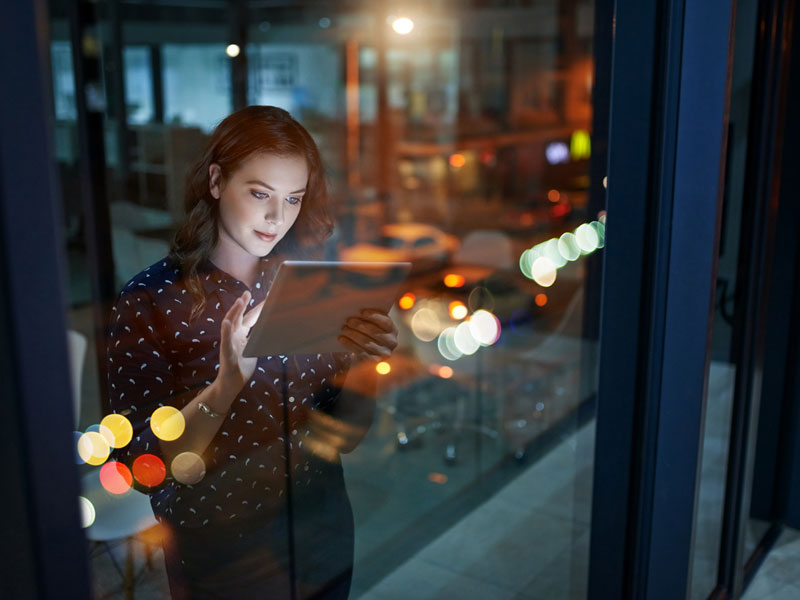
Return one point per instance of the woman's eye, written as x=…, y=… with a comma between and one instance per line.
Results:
x=293, y=199
x=259, y=195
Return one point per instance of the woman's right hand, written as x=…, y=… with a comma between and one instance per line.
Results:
x=234, y=369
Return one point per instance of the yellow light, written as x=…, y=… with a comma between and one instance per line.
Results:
x=457, y=310
x=407, y=301
x=445, y=372
x=167, y=423
x=457, y=160
x=188, y=468
x=232, y=50
x=605, y=182
x=93, y=448
x=383, y=367
x=120, y=428
x=580, y=145
x=540, y=299
x=453, y=280
x=403, y=25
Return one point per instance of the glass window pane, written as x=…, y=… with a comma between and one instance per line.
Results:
x=461, y=146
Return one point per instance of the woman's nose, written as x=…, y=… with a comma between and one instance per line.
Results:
x=274, y=212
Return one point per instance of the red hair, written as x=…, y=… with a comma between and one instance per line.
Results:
x=243, y=134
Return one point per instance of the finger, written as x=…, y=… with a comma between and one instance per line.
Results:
x=367, y=327
x=245, y=298
x=379, y=318
x=386, y=339
x=379, y=348
x=357, y=351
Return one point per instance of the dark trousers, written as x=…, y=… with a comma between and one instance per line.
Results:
x=251, y=561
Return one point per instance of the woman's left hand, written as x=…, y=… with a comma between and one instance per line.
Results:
x=372, y=335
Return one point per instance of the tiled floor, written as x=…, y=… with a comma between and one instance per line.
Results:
x=779, y=575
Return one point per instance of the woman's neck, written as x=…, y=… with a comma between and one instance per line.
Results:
x=236, y=262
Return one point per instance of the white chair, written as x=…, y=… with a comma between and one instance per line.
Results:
x=122, y=517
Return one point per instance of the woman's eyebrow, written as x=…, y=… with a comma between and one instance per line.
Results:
x=269, y=187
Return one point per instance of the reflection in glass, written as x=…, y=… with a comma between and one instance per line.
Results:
x=462, y=145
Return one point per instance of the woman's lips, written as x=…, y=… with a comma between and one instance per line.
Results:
x=266, y=237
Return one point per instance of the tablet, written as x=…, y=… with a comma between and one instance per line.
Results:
x=309, y=301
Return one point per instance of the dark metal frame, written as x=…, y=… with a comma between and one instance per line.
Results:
x=757, y=241
x=41, y=486
x=667, y=139
x=667, y=133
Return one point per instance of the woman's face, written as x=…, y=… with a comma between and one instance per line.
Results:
x=258, y=203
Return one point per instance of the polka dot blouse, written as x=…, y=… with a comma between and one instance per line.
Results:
x=158, y=356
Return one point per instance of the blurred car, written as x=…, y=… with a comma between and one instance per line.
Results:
x=423, y=245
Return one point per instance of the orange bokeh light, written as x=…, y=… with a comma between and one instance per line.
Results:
x=457, y=160
x=454, y=280
x=445, y=372
x=437, y=478
x=540, y=299
x=457, y=310
x=553, y=195
x=115, y=477
x=149, y=470
x=407, y=301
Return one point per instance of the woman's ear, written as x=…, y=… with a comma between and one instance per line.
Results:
x=214, y=180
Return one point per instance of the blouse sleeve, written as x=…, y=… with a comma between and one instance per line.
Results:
x=140, y=379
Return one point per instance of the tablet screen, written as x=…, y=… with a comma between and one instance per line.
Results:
x=309, y=301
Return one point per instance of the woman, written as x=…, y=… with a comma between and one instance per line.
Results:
x=251, y=491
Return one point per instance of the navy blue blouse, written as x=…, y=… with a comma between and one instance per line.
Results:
x=158, y=356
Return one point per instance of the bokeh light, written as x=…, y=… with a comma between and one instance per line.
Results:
x=149, y=470
x=108, y=436
x=543, y=271
x=464, y=340
x=383, y=368
x=120, y=427
x=540, y=299
x=484, y=327
x=457, y=160
x=568, y=246
x=233, y=50
x=457, y=310
x=115, y=477
x=93, y=448
x=445, y=372
x=167, y=423
x=550, y=250
x=406, y=301
x=403, y=25
x=439, y=478
x=454, y=280
x=553, y=195
x=480, y=297
x=447, y=346
x=587, y=238
x=425, y=325
x=188, y=468
x=88, y=513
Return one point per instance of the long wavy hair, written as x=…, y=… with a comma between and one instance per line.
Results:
x=243, y=134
